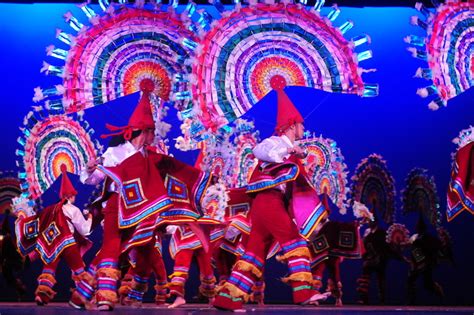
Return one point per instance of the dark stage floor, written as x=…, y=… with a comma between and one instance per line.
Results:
x=194, y=309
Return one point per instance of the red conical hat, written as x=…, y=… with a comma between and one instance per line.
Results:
x=287, y=114
x=67, y=189
x=142, y=116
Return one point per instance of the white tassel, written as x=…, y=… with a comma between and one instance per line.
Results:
x=49, y=50
x=433, y=106
x=60, y=89
x=422, y=92
x=38, y=94
x=413, y=51
x=45, y=67
x=419, y=73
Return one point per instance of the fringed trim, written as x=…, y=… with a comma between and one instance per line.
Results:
x=317, y=284
x=281, y=259
x=178, y=274
x=124, y=289
x=235, y=291
x=161, y=293
x=258, y=292
x=209, y=293
x=245, y=266
x=297, y=252
x=125, y=285
x=86, y=277
x=299, y=276
x=208, y=286
x=109, y=273
x=106, y=295
x=159, y=287
x=141, y=287
x=212, y=280
x=46, y=290
x=48, y=277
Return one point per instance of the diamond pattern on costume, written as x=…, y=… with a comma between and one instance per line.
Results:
x=51, y=233
x=31, y=229
x=133, y=193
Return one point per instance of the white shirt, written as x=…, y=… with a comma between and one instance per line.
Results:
x=273, y=149
x=76, y=220
x=113, y=156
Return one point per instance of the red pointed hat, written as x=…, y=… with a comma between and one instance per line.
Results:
x=67, y=189
x=287, y=114
x=142, y=116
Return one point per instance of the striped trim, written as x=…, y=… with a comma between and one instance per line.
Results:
x=47, y=257
x=290, y=175
x=465, y=203
x=312, y=222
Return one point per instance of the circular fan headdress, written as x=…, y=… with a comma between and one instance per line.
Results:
x=374, y=186
x=245, y=140
x=326, y=168
x=217, y=154
x=248, y=46
x=448, y=50
x=228, y=154
x=108, y=58
x=48, y=143
x=397, y=234
x=10, y=187
x=420, y=196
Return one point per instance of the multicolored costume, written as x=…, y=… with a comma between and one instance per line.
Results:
x=269, y=183
x=58, y=231
x=461, y=186
x=334, y=242
x=144, y=189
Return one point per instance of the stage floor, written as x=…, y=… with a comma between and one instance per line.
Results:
x=197, y=309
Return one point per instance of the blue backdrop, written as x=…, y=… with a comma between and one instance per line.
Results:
x=397, y=124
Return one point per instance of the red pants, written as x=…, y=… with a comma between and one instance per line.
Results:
x=270, y=221
x=46, y=280
x=181, y=270
x=107, y=268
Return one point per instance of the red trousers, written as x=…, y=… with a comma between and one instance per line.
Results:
x=270, y=221
x=47, y=280
x=180, y=274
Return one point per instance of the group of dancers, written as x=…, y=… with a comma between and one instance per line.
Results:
x=148, y=195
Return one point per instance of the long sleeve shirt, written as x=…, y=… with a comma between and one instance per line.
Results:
x=113, y=156
x=273, y=149
x=76, y=220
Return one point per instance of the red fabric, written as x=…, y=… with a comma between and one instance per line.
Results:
x=144, y=260
x=67, y=189
x=183, y=260
x=72, y=257
x=142, y=171
x=158, y=266
x=111, y=238
x=269, y=204
x=287, y=114
x=52, y=217
x=142, y=117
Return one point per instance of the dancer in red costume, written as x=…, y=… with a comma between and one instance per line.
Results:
x=161, y=282
x=137, y=201
x=59, y=231
x=279, y=172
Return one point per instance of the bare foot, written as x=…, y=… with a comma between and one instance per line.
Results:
x=338, y=302
x=240, y=310
x=178, y=302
